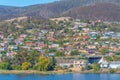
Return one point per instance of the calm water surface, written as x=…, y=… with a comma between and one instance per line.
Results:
x=61, y=77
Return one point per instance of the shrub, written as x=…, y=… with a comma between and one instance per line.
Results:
x=5, y=66
x=16, y=67
x=26, y=65
x=112, y=70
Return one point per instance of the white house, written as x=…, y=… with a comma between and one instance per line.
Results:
x=115, y=64
x=54, y=46
x=103, y=63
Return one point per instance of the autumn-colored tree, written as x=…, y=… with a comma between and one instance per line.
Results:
x=26, y=65
x=43, y=64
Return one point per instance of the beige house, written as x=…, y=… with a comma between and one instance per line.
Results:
x=79, y=65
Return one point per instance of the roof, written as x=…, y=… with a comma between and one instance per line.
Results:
x=115, y=62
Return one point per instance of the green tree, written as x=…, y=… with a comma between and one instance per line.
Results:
x=61, y=43
x=108, y=58
x=115, y=58
x=24, y=55
x=96, y=67
x=5, y=66
x=52, y=50
x=16, y=67
x=26, y=65
x=53, y=63
x=104, y=51
x=66, y=30
x=117, y=53
x=59, y=53
x=33, y=57
x=74, y=52
x=112, y=70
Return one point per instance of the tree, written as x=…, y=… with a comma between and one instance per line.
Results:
x=5, y=66
x=96, y=67
x=52, y=50
x=104, y=51
x=53, y=63
x=74, y=52
x=58, y=53
x=26, y=65
x=61, y=43
x=43, y=64
x=112, y=70
x=16, y=67
x=24, y=55
x=66, y=30
x=115, y=58
x=117, y=53
x=33, y=57
x=108, y=58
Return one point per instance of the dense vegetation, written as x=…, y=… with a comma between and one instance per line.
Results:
x=26, y=60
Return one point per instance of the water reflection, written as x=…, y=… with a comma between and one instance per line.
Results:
x=60, y=77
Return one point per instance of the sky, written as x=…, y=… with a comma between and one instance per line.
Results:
x=23, y=2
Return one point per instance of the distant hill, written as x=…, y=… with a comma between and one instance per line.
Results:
x=56, y=9
x=103, y=11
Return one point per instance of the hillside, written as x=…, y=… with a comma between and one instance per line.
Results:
x=103, y=11
x=49, y=10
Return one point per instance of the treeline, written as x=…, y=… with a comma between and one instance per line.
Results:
x=25, y=60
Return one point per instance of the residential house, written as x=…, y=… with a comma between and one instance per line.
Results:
x=54, y=46
x=12, y=47
x=50, y=54
x=86, y=29
x=104, y=37
x=2, y=49
x=41, y=35
x=64, y=62
x=76, y=38
x=67, y=53
x=11, y=54
x=50, y=36
x=23, y=36
x=114, y=64
x=17, y=42
x=93, y=35
x=77, y=44
x=42, y=44
x=85, y=37
x=1, y=35
x=91, y=49
x=103, y=63
x=80, y=64
x=29, y=43
x=68, y=48
x=94, y=59
x=2, y=44
x=44, y=31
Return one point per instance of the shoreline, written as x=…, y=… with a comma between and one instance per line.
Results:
x=32, y=72
x=49, y=72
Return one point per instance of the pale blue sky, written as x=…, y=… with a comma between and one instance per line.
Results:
x=24, y=2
